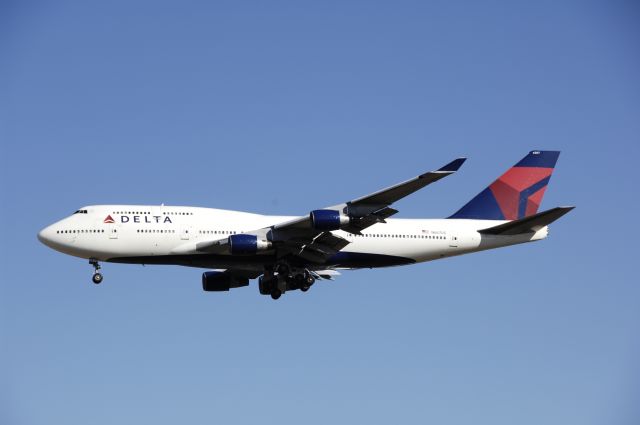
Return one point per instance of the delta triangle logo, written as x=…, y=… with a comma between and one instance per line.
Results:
x=109, y=219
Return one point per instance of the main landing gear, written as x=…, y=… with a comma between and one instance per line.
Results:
x=97, y=276
x=284, y=278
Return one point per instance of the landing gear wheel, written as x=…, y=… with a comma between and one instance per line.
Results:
x=97, y=277
x=308, y=280
x=276, y=293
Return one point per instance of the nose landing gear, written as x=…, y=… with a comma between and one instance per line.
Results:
x=97, y=276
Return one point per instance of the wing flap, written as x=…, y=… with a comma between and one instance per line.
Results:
x=325, y=274
x=322, y=247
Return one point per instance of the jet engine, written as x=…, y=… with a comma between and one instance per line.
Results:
x=247, y=244
x=328, y=219
x=221, y=281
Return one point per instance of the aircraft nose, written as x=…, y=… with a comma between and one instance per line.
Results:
x=45, y=235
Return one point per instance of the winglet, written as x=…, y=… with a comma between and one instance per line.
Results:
x=453, y=165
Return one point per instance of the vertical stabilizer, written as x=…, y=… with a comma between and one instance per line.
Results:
x=515, y=194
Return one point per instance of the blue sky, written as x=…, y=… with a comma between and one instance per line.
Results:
x=283, y=107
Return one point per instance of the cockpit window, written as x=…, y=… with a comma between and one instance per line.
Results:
x=81, y=212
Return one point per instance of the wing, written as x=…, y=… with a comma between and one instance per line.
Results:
x=310, y=237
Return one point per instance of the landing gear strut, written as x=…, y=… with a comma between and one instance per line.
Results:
x=276, y=280
x=97, y=276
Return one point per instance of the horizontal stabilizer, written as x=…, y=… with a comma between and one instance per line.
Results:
x=533, y=223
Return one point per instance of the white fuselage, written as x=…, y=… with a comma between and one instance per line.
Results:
x=168, y=235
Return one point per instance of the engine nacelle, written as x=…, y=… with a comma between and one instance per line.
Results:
x=247, y=244
x=328, y=219
x=221, y=281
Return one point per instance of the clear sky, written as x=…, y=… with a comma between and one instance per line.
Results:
x=283, y=107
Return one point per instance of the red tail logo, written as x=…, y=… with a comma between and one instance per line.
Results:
x=109, y=219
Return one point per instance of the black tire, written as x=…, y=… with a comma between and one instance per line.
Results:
x=283, y=270
x=97, y=278
x=265, y=285
x=276, y=293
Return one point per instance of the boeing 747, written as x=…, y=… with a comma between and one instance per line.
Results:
x=289, y=253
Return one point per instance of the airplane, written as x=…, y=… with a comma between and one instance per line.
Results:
x=289, y=253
